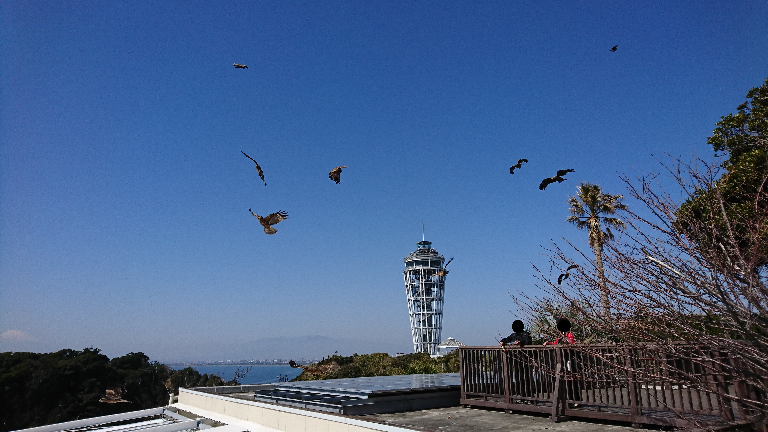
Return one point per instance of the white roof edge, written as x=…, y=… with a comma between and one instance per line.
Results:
x=96, y=420
x=450, y=343
x=291, y=410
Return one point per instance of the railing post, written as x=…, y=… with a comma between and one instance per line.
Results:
x=741, y=390
x=634, y=408
x=507, y=377
x=721, y=381
x=558, y=402
x=462, y=374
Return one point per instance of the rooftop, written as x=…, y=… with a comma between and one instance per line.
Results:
x=451, y=343
x=364, y=395
x=379, y=385
x=460, y=419
x=403, y=403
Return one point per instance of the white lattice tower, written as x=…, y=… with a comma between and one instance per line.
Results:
x=425, y=290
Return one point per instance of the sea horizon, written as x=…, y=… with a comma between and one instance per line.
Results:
x=258, y=373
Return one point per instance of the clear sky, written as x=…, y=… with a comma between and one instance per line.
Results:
x=124, y=197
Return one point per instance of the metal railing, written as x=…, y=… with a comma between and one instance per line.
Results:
x=641, y=384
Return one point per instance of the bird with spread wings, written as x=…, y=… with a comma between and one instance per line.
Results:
x=519, y=164
x=615, y=47
x=270, y=220
x=444, y=270
x=335, y=174
x=114, y=395
x=565, y=275
x=557, y=178
x=239, y=66
x=258, y=168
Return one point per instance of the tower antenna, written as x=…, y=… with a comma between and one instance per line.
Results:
x=422, y=230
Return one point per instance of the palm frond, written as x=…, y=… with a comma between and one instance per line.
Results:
x=589, y=207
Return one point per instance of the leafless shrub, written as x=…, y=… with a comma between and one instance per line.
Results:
x=680, y=274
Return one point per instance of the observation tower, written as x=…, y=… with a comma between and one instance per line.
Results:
x=424, y=289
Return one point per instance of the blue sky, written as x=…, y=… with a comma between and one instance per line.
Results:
x=124, y=198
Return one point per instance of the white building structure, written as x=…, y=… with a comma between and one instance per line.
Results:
x=448, y=345
x=425, y=288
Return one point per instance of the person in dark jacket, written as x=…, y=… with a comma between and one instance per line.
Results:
x=520, y=337
x=521, y=386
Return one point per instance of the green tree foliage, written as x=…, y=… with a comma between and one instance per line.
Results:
x=40, y=389
x=189, y=378
x=737, y=202
x=142, y=381
x=740, y=134
x=379, y=364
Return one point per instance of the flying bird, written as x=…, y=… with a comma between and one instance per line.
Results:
x=267, y=222
x=558, y=178
x=258, y=168
x=519, y=164
x=239, y=66
x=114, y=395
x=547, y=181
x=444, y=270
x=615, y=47
x=335, y=174
x=565, y=275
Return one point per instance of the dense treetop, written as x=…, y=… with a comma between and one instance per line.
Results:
x=740, y=133
x=736, y=205
x=39, y=389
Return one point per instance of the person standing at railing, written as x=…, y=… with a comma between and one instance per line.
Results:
x=564, y=326
x=572, y=378
x=519, y=338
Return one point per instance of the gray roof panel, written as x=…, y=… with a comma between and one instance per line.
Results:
x=370, y=386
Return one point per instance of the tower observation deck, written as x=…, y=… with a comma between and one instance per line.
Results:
x=425, y=289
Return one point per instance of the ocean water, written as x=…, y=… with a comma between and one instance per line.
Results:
x=259, y=374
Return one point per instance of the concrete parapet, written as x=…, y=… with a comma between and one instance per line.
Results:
x=272, y=417
x=234, y=389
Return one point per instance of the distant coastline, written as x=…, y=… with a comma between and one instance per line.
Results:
x=246, y=363
x=249, y=373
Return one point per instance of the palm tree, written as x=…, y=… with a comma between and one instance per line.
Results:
x=589, y=208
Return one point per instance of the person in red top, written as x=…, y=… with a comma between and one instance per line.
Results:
x=573, y=381
x=564, y=325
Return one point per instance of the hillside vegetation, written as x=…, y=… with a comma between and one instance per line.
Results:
x=40, y=389
x=378, y=364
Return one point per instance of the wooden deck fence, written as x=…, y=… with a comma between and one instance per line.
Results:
x=638, y=384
